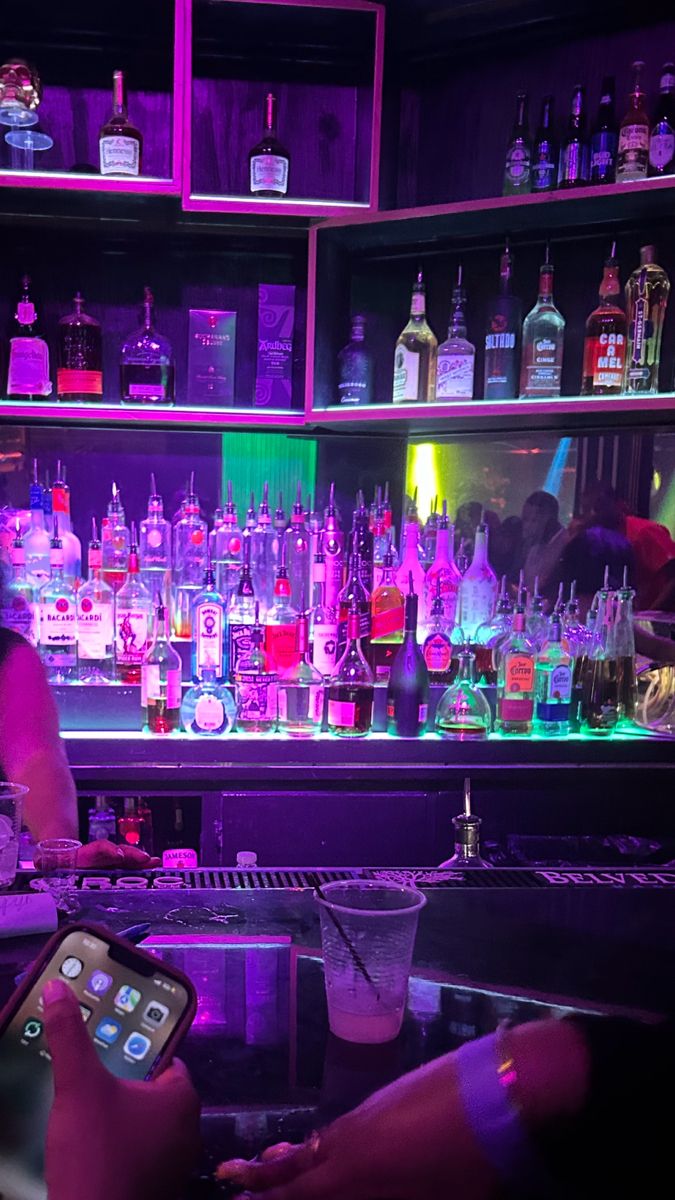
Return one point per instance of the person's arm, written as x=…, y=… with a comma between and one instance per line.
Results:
x=31, y=750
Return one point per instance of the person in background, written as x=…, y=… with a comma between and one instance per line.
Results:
x=595, y=540
x=506, y=549
x=544, y=539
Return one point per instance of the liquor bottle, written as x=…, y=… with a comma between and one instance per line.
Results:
x=332, y=544
x=381, y=540
x=269, y=162
x=415, y=354
x=180, y=853
x=28, y=373
x=646, y=299
x=600, y=706
x=115, y=542
x=502, y=338
x=437, y=648
x=102, y=821
x=443, y=572
x=544, y=157
x=573, y=162
x=208, y=709
x=36, y=540
x=457, y=355
x=58, y=618
x=241, y=613
x=281, y=647
x=351, y=688
x=517, y=166
x=301, y=690
x=280, y=523
x=543, y=342
x=72, y=547
x=255, y=685
x=95, y=620
x=515, y=679
x=79, y=355
x=229, y=549
x=553, y=674
x=209, y=630
x=463, y=713
x=467, y=838
x=623, y=645
x=190, y=545
x=218, y=516
x=251, y=518
x=605, y=340
x=133, y=620
x=323, y=622
x=633, y=154
x=361, y=537
x=354, y=590
x=387, y=620
x=605, y=136
x=537, y=625
x=18, y=607
x=298, y=551
x=147, y=370
x=356, y=367
x=662, y=136
x=489, y=636
x=154, y=549
x=410, y=558
x=408, y=687
x=161, y=680
x=429, y=534
x=478, y=589
x=131, y=825
x=264, y=553
x=120, y=144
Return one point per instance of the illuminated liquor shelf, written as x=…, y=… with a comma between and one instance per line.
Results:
x=135, y=416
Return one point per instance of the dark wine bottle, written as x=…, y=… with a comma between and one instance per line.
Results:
x=408, y=690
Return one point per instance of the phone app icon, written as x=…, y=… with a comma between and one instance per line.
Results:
x=32, y=1029
x=108, y=1030
x=71, y=967
x=99, y=982
x=86, y=1012
x=127, y=998
x=137, y=1046
x=155, y=1013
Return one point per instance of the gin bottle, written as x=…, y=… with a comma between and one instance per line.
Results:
x=517, y=167
x=301, y=690
x=515, y=679
x=28, y=373
x=456, y=356
x=95, y=621
x=351, y=689
x=19, y=610
x=543, y=341
x=147, y=371
x=646, y=299
x=605, y=341
x=209, y=630
x=415, y=354
x=256, y=685
x=502, y=338
x=553, y=685
x=208, y=709
x=633, y=154
x=355, y=367
x=133, y=620
x=161, y=680
x=58, y=619
x=120, y=143
x=155, y=548
x=269, y=161
x=478, y=589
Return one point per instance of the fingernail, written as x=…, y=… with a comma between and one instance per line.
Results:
x=54, y=990
x=232, y=1171
x=120, y=851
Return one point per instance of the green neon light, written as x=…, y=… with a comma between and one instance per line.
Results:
x=251, y=459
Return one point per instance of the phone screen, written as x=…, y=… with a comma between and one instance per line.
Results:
x=130, y=1016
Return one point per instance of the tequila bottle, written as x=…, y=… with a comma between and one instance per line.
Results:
x=543, y=341
x=605, y=136
x=58, y=619
x=208, y=709
x=155, y=548
x=515, y=678
x=209, y=630
x=79, y=355
x=502, y=338
x=256, y=685
x=478, y=589
x=646, y=299
x=456, y=356
x=95, y=620
x=19, y=610
x=120, y=143
x=517, y=167
x=301, y=690
x=133, y=620
x=115, y=542
x=554, y=672
x=662, y=136
x=147, y=371
x=324, y=622
x=633, y=154
x=28, y=373
x=269, y=161
x=415, y=354
x=351, y=690
x=605, y=341
x=463, y=714
x=356, y=367
x=161, y=680
x=190, y=546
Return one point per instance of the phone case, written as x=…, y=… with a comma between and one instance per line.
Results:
x=49, y=950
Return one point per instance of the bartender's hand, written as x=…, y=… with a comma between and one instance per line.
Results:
x=103, y=853
x=110, y=1138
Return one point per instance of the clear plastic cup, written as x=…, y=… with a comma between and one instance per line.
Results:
x=11, y=804
x=56, y=860
x=368, y=933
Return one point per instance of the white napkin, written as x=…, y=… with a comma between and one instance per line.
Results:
x=32, y=912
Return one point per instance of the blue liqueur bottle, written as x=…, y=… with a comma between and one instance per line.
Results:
x=355, y=367
x=502, y=337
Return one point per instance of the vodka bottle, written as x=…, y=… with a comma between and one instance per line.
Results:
x=190, y=547
x=209, y=630
x=515, y=679
x=408, y=688
x=58, y=618
x=72, y=547
x=351, y=688
x=229, y=544
x=298, y=549
x=95, y=620
x=161, y=680
x=256, y=685
x=478, y=589
x=154, y=549
x=301, y=690
x=332, y=545
x=323, y=622
x=19, y=609
x=133, y=620
x=241, y=613
x=264, y=553
x=443, y=571
x=36, y=540
x=281, y=625
x=218, y=516
x=354, y=590
x=115, y=542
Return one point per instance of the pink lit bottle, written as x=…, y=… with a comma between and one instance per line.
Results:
x=410, y=559
x=443, y=571
x=478, y=589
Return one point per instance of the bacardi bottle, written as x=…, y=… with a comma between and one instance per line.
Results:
x=147, y=370
x=95, y=620
x=456, y=356
x=351, y=689
x=544, y=156
x=58, y=619
x=478, y=589
x=408, y=688
x=79, y=356
x=356, y=367
x=256, y=685
x=515, y=679
x=209, y=630
x=605, y=341
x=573, y=163
x=133, y=620
x=28, y=373
x=605, y=136
x=161, y=680
x=646, y=299
x=554, y=671
x=301, y=690
x=269, y=161
x=154, y=549
x=19, y=610
x=543, y=342
x=662, y=136
x=502, y=339
x=517, y=167
x=415, y=354
x=633, y=154
x=120, y=143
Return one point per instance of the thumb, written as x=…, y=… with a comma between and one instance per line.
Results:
x=72, y=1050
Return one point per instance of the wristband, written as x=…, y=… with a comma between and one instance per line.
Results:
x=485, y=1076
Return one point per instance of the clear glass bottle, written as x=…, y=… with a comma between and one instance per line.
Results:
x=351, y=689
x=19, y=610
x=28, y=371
x=147, y=368
x=623, y=644
x=209, y=630
x=190, y=546
x=36, y=540
x=269, y=162
x=154, y=549
x=408, y=687
x=79, y=355
x=356, y=367
x=438, y=648
x=515, y=679
x=361, y=538
x=95, y=620
x=298, y=552
x=323, y=622
x=478, y=589
x=518, y=162
x=281, y=627
x=633, y=154
x=115, y=542
x=229, y=549
x=605, y=341
x=58, y=619
x=410, y=558
x=600, y=705
x=133, y=620
x=646, y=300
x=72, y=546
x=354, y=589
x=387, y=620
x=574, y=159
x=208, y=708
x=662, y=136
x=241, y=613
x=544, y=156
x=255, y=685
x=489, y=636
x=463, y=714
x=467, y=838
x=537, y=621
x=265, y=553
x=457, y=356
x=102, y=821
x=543, y=342
x=161, y=680
x=605, y=136
x=120, y=144
x=502, y=337
x=301, y=690
x=443, y=571
x=415, y=354
x=554, y=671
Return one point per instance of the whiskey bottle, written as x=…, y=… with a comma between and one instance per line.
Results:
x=147, y=372
x=502, y=339
x=408, y=688
x=456, y=356
x=28, y=373
x=544, y=156
x=120, y=144
x=415, y=354
x=161, y=680
x=515, y=679
x=58, y=619
x=517, y=178
x=269, y=161
x=79, y=356
x=633, y=153
x=355, y=367
x=255, y=685
x=646, y=299
x=95, y=620
x=573, y=163
x=543, y=342
x=605, y=340
x=281, y=626
x=605, y=136
x=351, y=691
x=662, y=136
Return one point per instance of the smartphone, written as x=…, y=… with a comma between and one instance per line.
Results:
x=136, y=1009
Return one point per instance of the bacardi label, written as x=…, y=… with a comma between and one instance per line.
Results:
x=131, y=635
x=58, y=623
x=208, y=631
x=94, y=629
x=269, y=173
x=28, y=373
x=406, y=375
x=19, y=615
x=119, y=155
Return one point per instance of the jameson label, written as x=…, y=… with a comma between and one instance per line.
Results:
x=406, y=375
x=119, y=155
x=208, y=622
x=28, y=373
x=269, y=173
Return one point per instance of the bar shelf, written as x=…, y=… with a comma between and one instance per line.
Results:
x=136, y=416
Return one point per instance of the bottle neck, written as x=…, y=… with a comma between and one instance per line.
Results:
x=119, y=95
x=466, y=671
x=418, y=303
x=480, y=558
x=610, y=288
x=546, y=285
x=270, y=118
x=412, y=538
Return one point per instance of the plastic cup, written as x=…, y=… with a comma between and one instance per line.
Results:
x=11, y=804
x=56, y=860
x=367, y=959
